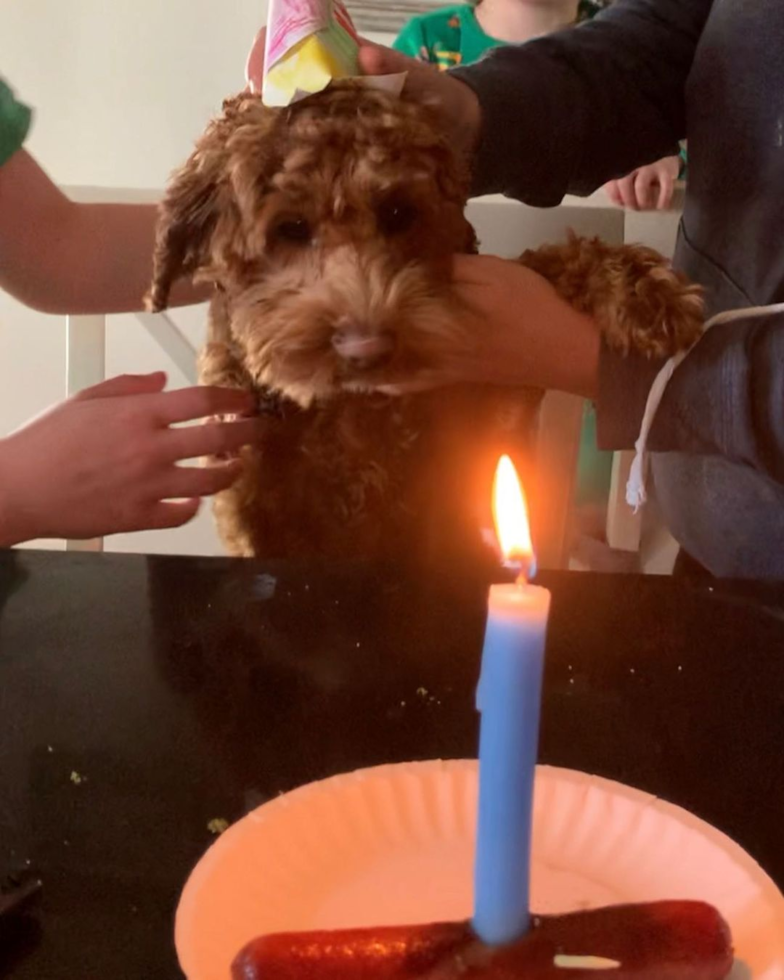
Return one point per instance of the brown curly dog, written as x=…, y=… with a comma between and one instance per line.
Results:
x=327, y=229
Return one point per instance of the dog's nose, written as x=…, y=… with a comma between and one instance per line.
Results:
x=361, y=350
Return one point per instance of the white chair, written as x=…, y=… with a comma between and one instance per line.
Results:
x=85, y=353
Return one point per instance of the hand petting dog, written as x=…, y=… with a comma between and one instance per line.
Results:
x=105, y=461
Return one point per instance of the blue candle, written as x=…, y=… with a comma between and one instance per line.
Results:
x=509, y=699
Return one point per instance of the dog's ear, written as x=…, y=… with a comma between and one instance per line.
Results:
x=186, y=220
x=206, y=198
x=454, y=184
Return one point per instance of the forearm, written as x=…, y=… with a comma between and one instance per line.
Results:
x=727, y=398
x=92, y=258
x=110, y=269
x=568, y=112
x=61, y=257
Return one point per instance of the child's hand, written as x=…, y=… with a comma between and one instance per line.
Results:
x=647, y=189
x=106, y=460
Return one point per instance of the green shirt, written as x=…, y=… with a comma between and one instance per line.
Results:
x=452, y=35
x=447, y=37
x=14, y=123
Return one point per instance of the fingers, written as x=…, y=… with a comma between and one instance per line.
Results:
x=198, y=403
x=169, y=513
x=125, y=384
x=666, y=190
x=254, y=67
x=648, y=178
x=212, y=439
x=637, y=191
x=176, y=497
x=423, y=80
x=613, y=192
x=643, y=188
x=374, y=59
x=456, y=102
x=197, y=481
x=627, y=193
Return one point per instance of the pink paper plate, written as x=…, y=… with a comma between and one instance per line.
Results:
x=395, y=845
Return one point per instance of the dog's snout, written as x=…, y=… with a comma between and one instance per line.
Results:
x=362, y=350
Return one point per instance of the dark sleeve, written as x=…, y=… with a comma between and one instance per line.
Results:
x=726, y=398
x=568, y=112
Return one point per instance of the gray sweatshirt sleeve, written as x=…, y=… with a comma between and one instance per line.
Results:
x=567, y=112
x=726, y=398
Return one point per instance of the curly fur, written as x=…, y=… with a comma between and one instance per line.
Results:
x=339, y=216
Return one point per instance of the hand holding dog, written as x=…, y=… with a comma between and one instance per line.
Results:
x=521, y=332
x=457, y=104
x=528, y=335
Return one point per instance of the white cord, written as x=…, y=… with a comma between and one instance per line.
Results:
x=636, y=493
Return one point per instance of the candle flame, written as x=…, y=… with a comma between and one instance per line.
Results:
x=510, y=514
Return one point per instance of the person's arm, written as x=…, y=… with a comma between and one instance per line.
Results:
x=60, y=257
x=568, y=112
x=726, y=398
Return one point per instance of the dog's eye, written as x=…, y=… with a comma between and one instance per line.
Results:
x=396, y=217
x=295, y=231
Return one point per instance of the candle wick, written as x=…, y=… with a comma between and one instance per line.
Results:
x=524, y=567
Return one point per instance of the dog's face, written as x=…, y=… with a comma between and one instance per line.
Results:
x=330, y=226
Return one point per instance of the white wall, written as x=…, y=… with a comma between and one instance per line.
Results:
x=121, y=87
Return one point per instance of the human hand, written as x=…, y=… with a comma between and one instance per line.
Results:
x=254, y=66
x=105, y=461
x=457, y=105
x=455, y=102
x=518, y=332
x=648, y=188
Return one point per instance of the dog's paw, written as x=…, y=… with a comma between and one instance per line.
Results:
x=660, y=315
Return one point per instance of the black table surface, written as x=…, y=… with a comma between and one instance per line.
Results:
x=141, y=698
